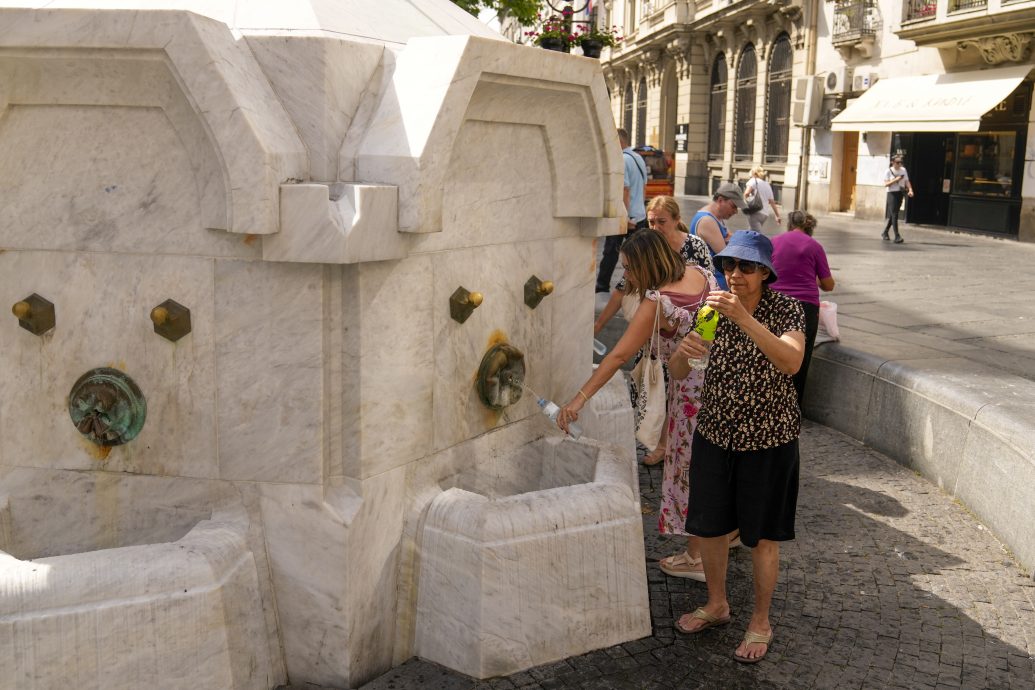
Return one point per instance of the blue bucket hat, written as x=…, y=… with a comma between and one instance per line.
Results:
x=749, y=245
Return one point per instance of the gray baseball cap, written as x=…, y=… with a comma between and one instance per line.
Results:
x=732, y=192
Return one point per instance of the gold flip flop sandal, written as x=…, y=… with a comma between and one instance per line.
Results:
x=754, y=638
x=710, y=621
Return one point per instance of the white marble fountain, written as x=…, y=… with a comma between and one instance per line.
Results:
x=241, y=440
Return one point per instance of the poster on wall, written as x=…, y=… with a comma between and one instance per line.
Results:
x=682, y=135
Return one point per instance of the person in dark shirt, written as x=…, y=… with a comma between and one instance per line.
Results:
x=744, y=467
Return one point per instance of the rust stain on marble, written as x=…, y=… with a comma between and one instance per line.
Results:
x=249, y=239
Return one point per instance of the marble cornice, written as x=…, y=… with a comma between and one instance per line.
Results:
x=657, y=47
x=736, y=13
x=970, y=26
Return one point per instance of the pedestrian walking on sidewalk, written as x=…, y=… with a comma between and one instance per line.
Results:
x=896, y=179
x=634, y=183
x=802, y=265
x=744, y=473
x=760, y=187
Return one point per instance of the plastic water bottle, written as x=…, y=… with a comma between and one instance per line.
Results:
x=551, y=410
x=707, y=322
x=599, y=347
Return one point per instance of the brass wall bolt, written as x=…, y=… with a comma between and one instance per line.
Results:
x=35, y=314
x=171, y=320
x=536, y=290
x=462, y=303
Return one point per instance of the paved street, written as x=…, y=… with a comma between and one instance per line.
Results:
x=889, y=585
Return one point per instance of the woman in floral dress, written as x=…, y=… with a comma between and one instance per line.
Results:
x=684, y=401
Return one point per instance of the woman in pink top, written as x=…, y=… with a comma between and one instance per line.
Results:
x=802, y=270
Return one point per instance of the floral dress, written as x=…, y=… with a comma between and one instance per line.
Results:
x=684, y=401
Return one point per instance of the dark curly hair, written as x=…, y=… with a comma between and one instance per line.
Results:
x=805, y=222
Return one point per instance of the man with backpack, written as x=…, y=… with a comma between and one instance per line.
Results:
x=635, y=180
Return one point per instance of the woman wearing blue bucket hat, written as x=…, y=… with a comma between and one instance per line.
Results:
x=744, y=453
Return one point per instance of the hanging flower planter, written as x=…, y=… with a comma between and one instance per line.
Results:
x=591, y=49
x=595, y=38
x=554, y=43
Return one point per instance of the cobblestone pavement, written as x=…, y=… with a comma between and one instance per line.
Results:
x=890, y=584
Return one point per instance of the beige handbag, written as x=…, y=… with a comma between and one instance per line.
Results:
x=651, y=397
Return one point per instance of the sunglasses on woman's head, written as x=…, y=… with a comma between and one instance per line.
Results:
x=746, y=267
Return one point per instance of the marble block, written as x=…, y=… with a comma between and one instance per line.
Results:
x=531, y=556
x=336, y=224
x=182, y=613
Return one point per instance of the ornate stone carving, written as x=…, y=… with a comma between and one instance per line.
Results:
x=677, y=50
x=651, y=65
x=1002, y=48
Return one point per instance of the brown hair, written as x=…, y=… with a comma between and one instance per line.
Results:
x=623, y=136
x=670, y=206
x=805, y=222
x=651, y=262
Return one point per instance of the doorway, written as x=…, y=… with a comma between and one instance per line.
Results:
x=930, y=162
x=849, y=164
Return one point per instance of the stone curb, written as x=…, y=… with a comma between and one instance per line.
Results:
x=967, y=428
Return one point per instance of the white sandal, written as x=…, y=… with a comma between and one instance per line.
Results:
x=682, y=565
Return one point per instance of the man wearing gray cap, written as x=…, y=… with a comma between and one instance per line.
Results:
x=708, y=222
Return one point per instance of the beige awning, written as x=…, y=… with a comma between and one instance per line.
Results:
x=930, y=103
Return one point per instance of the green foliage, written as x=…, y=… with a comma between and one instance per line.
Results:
x=522, y=10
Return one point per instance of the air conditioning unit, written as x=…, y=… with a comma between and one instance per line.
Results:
x=806, y=101
x=839, y=80
x=861, y=82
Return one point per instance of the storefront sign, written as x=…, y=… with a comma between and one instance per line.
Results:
x=682, y=135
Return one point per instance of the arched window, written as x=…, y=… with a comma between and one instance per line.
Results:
x=778, y=102
x=627, y=109
x=717, y=109
x=744, y=139
x=641, y=113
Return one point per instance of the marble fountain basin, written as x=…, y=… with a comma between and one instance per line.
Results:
x=122, y=581
x=530, y=555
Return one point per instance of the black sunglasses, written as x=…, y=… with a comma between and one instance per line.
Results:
x=729, y=265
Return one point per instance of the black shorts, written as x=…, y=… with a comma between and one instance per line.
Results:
x=755, y=491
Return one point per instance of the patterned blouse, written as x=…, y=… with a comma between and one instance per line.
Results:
x=748, y=404
x=694, y=251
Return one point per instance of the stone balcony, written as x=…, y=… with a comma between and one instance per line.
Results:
x=856, y=25
x=1001, y=30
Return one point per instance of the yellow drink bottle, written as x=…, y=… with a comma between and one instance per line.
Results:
x=706, y=323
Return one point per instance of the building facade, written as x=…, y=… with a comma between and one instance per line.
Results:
x=944, y=83
x=712, y=81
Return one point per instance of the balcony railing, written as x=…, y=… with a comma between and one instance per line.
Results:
x=920, y=9
x=960, y=5
x=855, y=20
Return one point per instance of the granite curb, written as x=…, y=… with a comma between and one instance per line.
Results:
x=964, y=427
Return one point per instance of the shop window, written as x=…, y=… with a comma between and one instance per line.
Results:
x=744, y=133
x=986, y=164
x=641, y=113
x=717, y=109
x=778, y=102
x=627, y=109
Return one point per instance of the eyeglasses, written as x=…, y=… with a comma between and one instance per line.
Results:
x=729, y=265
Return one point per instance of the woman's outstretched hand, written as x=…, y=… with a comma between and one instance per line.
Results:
x=570, y=413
